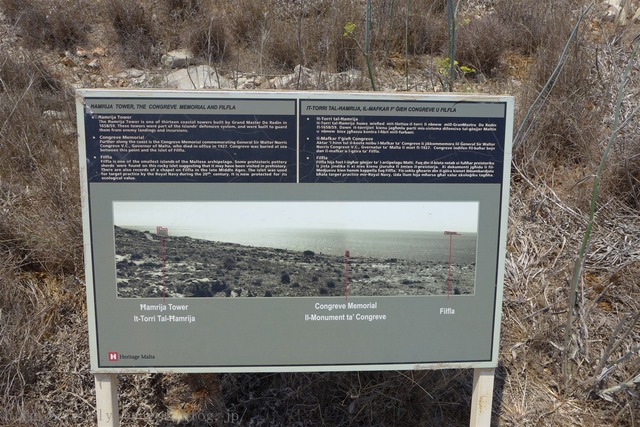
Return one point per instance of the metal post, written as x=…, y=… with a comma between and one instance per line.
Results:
x=107, y=400
x=482, y=397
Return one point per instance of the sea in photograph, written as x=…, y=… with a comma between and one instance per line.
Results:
x=410, y=245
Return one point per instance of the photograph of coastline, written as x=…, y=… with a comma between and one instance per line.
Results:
x=294, y=249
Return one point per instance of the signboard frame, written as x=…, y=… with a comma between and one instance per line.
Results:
x=93, y=236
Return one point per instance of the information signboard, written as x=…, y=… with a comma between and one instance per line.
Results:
x=293, y=231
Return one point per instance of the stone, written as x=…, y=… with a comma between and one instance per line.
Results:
x=134, y=72
x=301, y=78
x=199, y=77
x=305, y=78
x=67, y=61
x=179, y=58
x=55, y=115
x=617, y=11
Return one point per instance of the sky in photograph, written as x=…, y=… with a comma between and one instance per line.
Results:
x=426, y=216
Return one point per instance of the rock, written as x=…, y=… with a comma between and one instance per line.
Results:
x=305, y=78
x=134, y=72
x=179, y=58
x=203, y=288
x=301, y=78
x=617, y=11
x=340, y=81
x=67, y=61
x=218, y=286
x=54, y=115
x=199, y=77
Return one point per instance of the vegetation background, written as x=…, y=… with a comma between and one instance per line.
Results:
x=564, y=61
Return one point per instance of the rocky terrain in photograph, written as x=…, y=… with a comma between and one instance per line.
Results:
x=203, y=268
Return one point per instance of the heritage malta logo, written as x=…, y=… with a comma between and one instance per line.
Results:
x=113, y=356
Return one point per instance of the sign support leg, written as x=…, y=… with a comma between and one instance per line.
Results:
x=482, y=397
x=107, y=400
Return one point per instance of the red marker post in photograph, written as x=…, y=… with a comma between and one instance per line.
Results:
x=162, y=232
x=346, y=289
x=450, y=234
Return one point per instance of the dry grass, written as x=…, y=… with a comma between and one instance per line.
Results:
x=567, y=129
x=538, y=269
x=39, y=169
x=41, y=316
x=40, y=246
x=207, y=38
x=481, y=44
x=136, y=32
x=44, y=377
x=54, y=23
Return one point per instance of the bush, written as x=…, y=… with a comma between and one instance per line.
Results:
x=427, y=27
x=283, y=52
x=135, y=31
x=39, y=189
x=532, y=24
x=481, y=43
x=207, y=39
x=229, y=263
x=247, y=19
x=28, y=74
x=565, y=130
x=60, y=24
x=182, y=10
x=427, y=33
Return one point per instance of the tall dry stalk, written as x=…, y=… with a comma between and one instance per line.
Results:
x=367, y=56
x=451, y=28
x=579, y=263
x=530, y=117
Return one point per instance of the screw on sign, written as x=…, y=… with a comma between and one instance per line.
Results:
x=450, y=234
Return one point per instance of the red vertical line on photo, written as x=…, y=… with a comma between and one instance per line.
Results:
x=450, y=234
x=163, y=286
x=346, y=286
x=162, y=232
